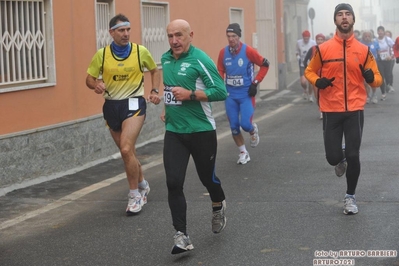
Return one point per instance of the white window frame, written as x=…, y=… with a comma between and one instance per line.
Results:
x=27, y=59
x=105, y=10
x=154, y=36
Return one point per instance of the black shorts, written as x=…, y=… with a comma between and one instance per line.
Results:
x=116, y=111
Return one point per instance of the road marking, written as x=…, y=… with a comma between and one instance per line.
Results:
x=107, y=182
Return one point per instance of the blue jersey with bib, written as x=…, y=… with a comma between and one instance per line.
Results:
x=239, y=73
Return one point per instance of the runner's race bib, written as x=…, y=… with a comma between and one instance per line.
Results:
x=235, y=81
x=169, y=98
x=133, y=104
x=384, y=56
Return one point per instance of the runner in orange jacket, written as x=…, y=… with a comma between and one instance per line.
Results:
x=344, y=63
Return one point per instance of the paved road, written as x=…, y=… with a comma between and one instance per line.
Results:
x=283, y=208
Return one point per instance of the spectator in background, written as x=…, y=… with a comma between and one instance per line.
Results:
x=367, y=39
x=320, y=38
x=302, y=47
x=385, y=61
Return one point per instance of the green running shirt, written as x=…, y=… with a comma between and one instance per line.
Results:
x=193, y=70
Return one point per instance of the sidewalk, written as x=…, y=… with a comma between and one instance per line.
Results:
x=143, y=141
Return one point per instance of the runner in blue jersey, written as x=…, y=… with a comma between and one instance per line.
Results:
x=367, y=39
x=236, y=65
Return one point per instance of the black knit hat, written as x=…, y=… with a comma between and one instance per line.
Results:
x=344, y=6
x=235, y=28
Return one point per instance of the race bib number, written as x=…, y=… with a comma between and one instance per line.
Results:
x=169, y=98
x=384, y=55
x=235, y=81
x=133, y=104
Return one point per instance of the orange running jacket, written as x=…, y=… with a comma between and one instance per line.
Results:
x=340, y=59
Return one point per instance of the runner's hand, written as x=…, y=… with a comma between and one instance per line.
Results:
x=253, y=90
x=368, y=74
x=323, y=82
x=153, y=98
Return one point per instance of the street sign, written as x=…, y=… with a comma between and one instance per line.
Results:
x=311, y=13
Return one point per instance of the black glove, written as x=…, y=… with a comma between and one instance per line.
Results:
x=368, y=74
x=253, y=89
x=397, y=60
x=323, y=82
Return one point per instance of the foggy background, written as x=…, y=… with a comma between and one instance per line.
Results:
x=369, y=14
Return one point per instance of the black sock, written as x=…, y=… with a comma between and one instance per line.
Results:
x=217, y=208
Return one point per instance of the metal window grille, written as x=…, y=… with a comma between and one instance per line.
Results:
x=23, y=56
x=103, y=17
x=155, y=19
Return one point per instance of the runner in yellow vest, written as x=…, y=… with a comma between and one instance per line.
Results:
x=116, y=72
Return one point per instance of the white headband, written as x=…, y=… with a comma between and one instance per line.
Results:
x=122, y=24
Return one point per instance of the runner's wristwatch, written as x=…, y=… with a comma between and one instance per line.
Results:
x=193, y=96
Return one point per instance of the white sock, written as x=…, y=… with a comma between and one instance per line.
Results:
x=242, y=148
x=134, y=193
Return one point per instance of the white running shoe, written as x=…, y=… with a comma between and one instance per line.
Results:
x=390, y=89
x=134, y=205
x=254, y=137
x=374, y=100
x=182, y=243
x=311, y=99
x=144, y=193
x=243, y=158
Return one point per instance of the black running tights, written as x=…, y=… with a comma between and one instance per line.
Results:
x=202, y=146
x=348, y=125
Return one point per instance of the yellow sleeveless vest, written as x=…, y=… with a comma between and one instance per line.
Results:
x=123, y=77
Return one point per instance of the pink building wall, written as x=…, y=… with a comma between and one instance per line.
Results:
x=75, y=44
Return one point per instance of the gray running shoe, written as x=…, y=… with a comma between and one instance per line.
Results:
x=219, y=219
x=182, y=243
x=340, y=168
x=350, y=206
